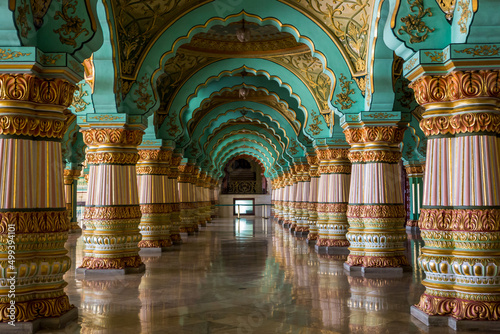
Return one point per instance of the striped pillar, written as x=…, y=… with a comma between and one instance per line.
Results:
x=33, y=216
x=187, y=199
x=70, y=194
x=293, y=199
x=376, y=212
x=174, y=199
x=334, y=168
x=460, y=215
x=287, y=182
x=278, y=209
x=152, y=169
x=302, y=199
x=415, y=173
x=112, y=212
x=313, y=198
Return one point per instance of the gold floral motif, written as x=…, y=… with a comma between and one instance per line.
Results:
x=120, y=136
x=322, y=242
x=457, y=85
x=22, y=18
x=332, y=154
x=37, y=308
x=155, y=155
x=156, y=208
x=79, y=104
x=435, y=56
x=376, y=261
x=23, y=125
x=316, y=122
x=153, y=170
x=461, y=123
x=8, y=54
x=118, y=158
x=415, y=169
x=331, y=207
x=466, y=14
x=30, y=88
x=73, y=27
x=412, y=223
x=481, y=50
x=375, y=156
x=155, y=243
x=343, y=98
x=389, y=134
x=460, y=219
x=335, y=169
x=113, y=212
x=34, y=221
x=113, y=263
x=49, y=59
x=378, y=211
x=414, y=25
x=459, y=309
x=144, y=99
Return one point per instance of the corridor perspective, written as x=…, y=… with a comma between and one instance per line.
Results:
x=366, y=134
x=245, y=276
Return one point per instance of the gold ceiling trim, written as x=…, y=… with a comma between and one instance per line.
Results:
x=237, y=132
x=228, y=155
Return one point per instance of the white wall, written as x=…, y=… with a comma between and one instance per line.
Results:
x=227, y=211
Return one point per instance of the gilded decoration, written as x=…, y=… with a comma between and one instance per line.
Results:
x=343, y=99
x=331, y=207
x=8, y=54
x=457, y=85
x=116, y=158
x=155, y=155
x=39, y=9
x=435, y=56
x=417, y=170
x=414, y=25
x=30, y=88
x=459, y=309
x=310, y=70
x=144, y=99
x=156, y=208
x=22, y=125
x=473, y=220
x=49, y=59
x=332, y=154
x=34, y=221
x=112, y=212
x=464, y=16
x=349, y=21
x=23, y=10
x=375, y=156
x=139, y=22
x=79, y=104
x=461, y=123
x=316, y=122
x=377, y=261
x=389, y=134
x=37, y=308
x=111, y=263
x=481, y=51
x=379, y=211
x=335, y=169
x=73, y=26
x=447, y=6
x=114, y=136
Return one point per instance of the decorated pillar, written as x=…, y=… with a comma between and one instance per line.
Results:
x=376, y=212
x=278, y=209
x=112, y=211
x=152, y=169
x=71, y=176
x=187, y=199
x=335, y=169
x=460, y=215
x=302, y=199
x=34, y=221
x=287, y=198
x=313, y=235
x=174, y=199
x=415, y=174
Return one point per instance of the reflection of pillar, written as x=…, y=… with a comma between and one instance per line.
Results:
x=173, y=199
x=286, y=193
x=313, y=198
x=186, y=199
x=152, y=181
x=278, y=209
x=70, y=194
x=112, y=212
x=302, y=199
x=292, y=198
x=335, y=171
x=460, y=215
x=415, y=173
x=376, y=212
x=33, y=217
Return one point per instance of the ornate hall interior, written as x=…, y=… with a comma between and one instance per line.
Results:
x=237, y=166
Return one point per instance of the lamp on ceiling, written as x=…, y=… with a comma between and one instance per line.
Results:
x=243, y=91
x=243, y=34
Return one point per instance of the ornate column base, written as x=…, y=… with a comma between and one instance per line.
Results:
x=301, y=231
x=75, y=228
x=412, y=224
x=112, y=267
x=53, y=323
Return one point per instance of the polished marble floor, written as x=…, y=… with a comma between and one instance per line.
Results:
x=242, y=277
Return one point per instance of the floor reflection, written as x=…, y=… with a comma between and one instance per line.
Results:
x=245, y=276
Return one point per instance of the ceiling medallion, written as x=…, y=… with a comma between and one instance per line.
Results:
x=447, y=6
x=243, y=34
x=243, y=91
